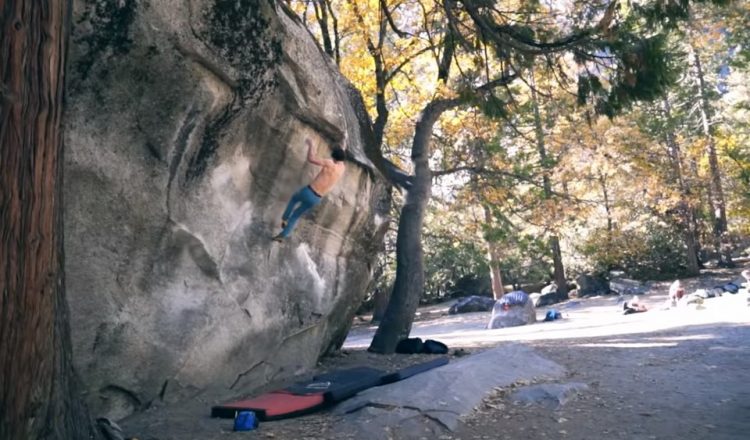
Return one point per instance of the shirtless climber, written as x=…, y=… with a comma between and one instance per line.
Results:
x=310, y=195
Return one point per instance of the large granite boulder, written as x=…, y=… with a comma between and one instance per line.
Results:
x=513, y=309
x=591, y=285
x=470, y=304
x=625, y=286
x=185, y=128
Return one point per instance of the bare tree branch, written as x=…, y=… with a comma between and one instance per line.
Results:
x=399, y=32
x=507, y=36
x=336, y=36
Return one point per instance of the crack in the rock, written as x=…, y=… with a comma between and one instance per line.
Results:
x=208, y=65
x=420, y=411
x=163, y=390
x=299, y=331
x=248, y=371
x=180, y=147
x=436, y=419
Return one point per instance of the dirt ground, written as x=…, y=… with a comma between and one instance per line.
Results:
x=689, y=379
x=690, y=383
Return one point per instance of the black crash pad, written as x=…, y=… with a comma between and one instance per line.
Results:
x=414, y=369
x=341, y=384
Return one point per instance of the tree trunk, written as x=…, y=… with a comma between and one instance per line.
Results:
x=718, y=203
x=607, y=204
x=409, y=284
x=497, y=278
x=560, y=280
x=38, y=398
x=686, y=210
x=321, y=14
x=562, y=283
x=691, y=248
x=380, y=304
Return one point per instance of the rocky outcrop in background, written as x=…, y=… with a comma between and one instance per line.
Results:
x=185, y=129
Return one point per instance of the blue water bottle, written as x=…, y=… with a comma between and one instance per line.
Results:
x=245, y=421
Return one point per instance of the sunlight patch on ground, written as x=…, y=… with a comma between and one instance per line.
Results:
x=589, y=318
x=629, y=345
x=701, y=337
x=723, y=348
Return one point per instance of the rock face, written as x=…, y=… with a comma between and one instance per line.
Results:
x=185, y=130
x=624, y=286
x=471, y=304
x=513, y=313
x=590, y=285
x=409, y=409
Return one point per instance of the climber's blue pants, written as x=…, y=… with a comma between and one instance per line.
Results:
x=304, y=199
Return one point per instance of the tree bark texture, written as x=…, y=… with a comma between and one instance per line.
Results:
x=37, y=389
x=409, y=284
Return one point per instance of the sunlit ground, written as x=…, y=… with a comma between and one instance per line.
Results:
x=583, y=318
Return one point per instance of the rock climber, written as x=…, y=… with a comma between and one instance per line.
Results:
x=309, y=196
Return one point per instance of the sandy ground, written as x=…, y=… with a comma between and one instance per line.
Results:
x=685, y=383
x=583, y=318
x=682, y=373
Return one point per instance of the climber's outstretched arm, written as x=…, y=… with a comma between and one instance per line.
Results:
x=311, y=154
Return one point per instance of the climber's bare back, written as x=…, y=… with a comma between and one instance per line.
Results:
x=327, y=177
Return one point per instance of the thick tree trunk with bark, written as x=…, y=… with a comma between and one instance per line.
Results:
x=37, y=386
x=409, y=284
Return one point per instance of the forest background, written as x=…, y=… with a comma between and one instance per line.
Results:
x=552, y=174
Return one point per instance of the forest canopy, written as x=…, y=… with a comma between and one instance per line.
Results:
x=546, y=140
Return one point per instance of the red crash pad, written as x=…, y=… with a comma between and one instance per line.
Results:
x=270, y=406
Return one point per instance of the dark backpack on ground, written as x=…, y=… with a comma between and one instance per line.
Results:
x=432, y=346
x=409, y=346
x=415, y=345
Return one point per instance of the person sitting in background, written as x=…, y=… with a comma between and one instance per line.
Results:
x=676, y=292
x=633, y=306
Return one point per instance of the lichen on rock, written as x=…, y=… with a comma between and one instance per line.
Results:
x=245, y=36
x=109, y=24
